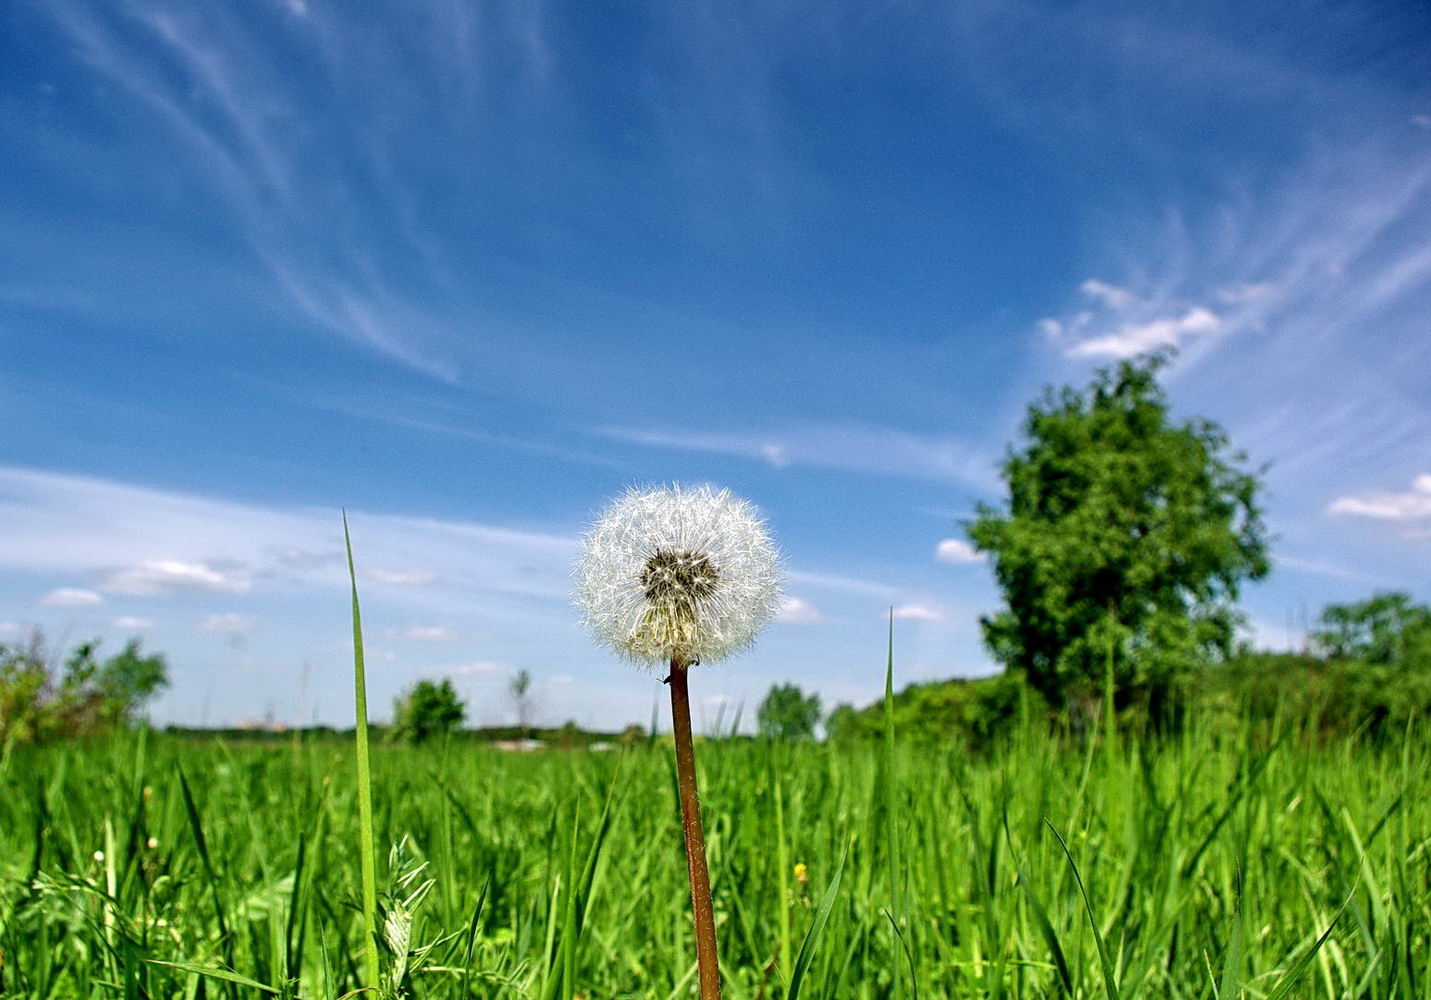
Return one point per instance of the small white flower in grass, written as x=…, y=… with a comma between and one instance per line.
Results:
x=678, y=574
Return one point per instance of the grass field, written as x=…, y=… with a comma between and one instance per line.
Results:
x=1213, y=865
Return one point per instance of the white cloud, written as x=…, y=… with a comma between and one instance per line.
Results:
x=1111, y=296
x=957, y=551
x=424, y=633
x=231, y=623
x=1136, y=338
x=158, y=576
x=776, y=454
x=919, y=613
x=846, y=584
x=1413, y=505
x=1423, y=120
x=74, y=525
x=129, y=622
x=798, y=611
x=71, y=597
x=402, y=577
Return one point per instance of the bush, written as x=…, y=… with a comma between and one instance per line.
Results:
x=39, y=703
x=787, y=713
x=971, y=712
x=1330, y=695
x=428, y=709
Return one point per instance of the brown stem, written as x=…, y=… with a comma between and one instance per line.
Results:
x=706, y=958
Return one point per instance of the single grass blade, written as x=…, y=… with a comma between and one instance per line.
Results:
x=366, y=841
x=908, y=955
x=206, y=862
x=216, y=972
x=1110, y=984
x=1294, y=975
x=1229, y=987
x=1045, y=926
x=891, y=814
x=816, y=931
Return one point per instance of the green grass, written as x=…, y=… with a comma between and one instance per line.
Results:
x=1211, y=867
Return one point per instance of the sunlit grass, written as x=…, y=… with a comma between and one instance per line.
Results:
x=1212, y=866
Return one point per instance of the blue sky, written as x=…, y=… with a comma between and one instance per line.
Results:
x=469, y=269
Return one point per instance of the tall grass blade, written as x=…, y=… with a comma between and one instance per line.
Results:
x=1230, y=985
x=1110, y=984
x=1294, y=975
x=366, y=841
x=816, y=931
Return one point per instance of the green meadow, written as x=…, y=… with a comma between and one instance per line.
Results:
x=1231, y=861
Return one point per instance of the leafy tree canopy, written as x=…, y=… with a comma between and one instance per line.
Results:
x=1126, y=535
x=428, y=709
x=1386, y=628
x=788, y=713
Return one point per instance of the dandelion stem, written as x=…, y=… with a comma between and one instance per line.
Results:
x=706, y=960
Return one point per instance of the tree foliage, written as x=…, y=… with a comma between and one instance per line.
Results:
x=1387, y=628
x=426, y=710
x=787, y=713
x=971, y=712
x=1124, y=541
x=84, y=696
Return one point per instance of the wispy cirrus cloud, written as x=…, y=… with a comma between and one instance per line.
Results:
x=876, y=450
x=211, y=86
x=843, y=584
x=424, y=633
x=109, y=531
x=402, y=577
x=920, y=612
x=228, y=623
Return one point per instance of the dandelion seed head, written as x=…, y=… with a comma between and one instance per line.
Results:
x=671, y=572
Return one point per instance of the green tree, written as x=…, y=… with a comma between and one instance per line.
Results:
x=845, y=724
x=129, y=679
x=1387, y=628
x=426, y=710
x=788, y=713
x=1123, y=544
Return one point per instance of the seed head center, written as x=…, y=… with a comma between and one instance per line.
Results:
x=679, y=577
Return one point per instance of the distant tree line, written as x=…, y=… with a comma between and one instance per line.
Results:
x=1366, y=669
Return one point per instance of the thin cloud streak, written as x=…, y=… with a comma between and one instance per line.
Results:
x=874, y=450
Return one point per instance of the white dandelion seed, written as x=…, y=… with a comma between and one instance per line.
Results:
x=678, y=574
